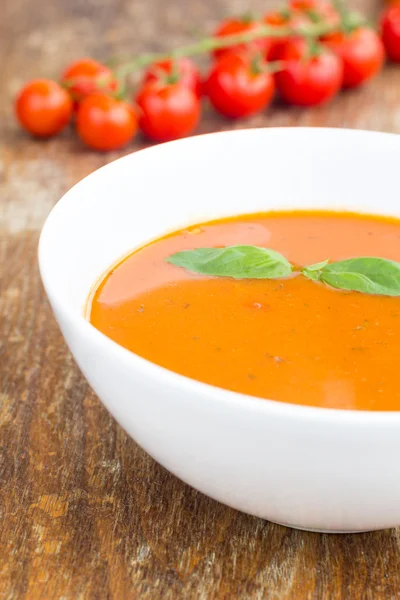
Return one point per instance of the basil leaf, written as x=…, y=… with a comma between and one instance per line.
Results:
x=370, y=275
x=239, y=262
x=314, y=271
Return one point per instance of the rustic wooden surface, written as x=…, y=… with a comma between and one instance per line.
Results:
x=84, y=512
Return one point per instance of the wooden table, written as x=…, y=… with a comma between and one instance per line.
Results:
x=85, y=513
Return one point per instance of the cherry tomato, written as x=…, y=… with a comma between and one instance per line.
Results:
x=284, y=18
x=105, y=123
x=302, y=4
x=278, y=18
x=316, y=10
x=390, y=32
x=237, y=89
x=308, y=80
x=187, y=72
x=234, y=26
x=43, y=107
x=88, y=77
x=362, y=54
x=168, y=110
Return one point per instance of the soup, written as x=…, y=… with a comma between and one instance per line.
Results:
x=289, y=339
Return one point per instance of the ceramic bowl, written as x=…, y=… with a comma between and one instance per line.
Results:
x=312, y=468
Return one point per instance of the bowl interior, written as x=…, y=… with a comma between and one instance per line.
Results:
x=146, y=194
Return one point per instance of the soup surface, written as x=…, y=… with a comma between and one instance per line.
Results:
x=292, y=340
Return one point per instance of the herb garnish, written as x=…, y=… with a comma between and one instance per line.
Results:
x=239, y=262
x=368, y=274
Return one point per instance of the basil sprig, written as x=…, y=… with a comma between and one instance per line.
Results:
x=239, y=262
x=369, y=275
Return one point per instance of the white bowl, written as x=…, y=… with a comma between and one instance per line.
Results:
x=311, y=468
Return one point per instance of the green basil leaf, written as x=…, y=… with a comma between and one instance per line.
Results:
x=239, y=262
x=314, y=271
x=370, y=275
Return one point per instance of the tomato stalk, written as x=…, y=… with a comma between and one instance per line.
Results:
x=207, y=45
x=248, y=17
x=174, y=76
x=102, y=83
x=256, y=64
x=348, y=20
x=275, y=66
x=121, y=92
x=311, y=32
x=314, y=16
x=313, y=48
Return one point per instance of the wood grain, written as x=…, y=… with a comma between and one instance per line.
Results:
x=84, y=512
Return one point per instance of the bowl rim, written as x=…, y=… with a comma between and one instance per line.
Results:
x=166, y=377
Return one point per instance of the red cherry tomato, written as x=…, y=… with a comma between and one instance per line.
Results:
x=235, y=26
x=302, y=4
x=316, y=10
x=362, y=54
x=236, y=89
x=105, y=123
x=87, y=76
x=390, y=32
x=308, y=81
x=278, y=18
x=282, y=18
x=187, y=73
x=168, y=110
x=43, y=107
x=299, y=14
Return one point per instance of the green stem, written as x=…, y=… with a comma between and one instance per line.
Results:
x=174, y=76
x=275, y=66
x=314, y=16
x=216, y=43
x=248, y=17
x=313, y=48
x=121, y=91
x=346, y=18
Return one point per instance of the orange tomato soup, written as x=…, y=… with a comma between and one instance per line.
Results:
x=292, y=340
